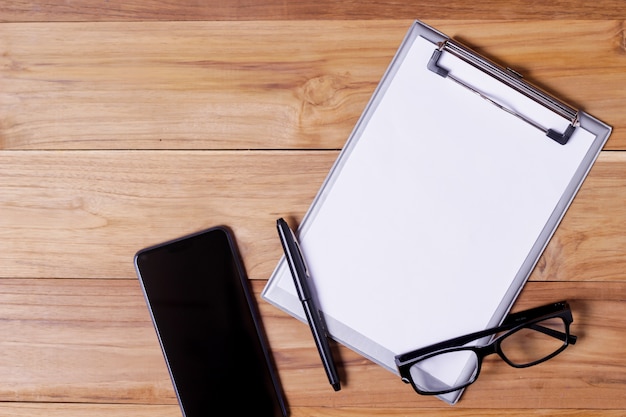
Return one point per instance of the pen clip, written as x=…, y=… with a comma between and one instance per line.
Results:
x=301, y=256
x=294, y=258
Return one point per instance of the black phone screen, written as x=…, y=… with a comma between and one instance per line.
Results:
x=208, y=326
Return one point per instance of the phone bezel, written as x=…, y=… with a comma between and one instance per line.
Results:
x=244, y=285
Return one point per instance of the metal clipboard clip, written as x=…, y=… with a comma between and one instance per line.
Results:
x=511, y=79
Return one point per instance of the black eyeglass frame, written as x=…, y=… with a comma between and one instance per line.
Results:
x=512, y=323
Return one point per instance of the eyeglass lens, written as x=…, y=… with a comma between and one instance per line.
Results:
x=452, y=370
x=445, y=371
x=535, y=342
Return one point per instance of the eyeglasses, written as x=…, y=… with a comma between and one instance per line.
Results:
x=524, y=339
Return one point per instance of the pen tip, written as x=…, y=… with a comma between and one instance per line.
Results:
x=336, y=386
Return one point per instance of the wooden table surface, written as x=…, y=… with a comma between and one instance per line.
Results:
x=126, y=123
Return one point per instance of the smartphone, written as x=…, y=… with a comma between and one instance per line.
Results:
x=208, y=326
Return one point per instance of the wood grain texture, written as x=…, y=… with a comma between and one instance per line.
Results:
x=91, y=341
x=94, y=410
x=126, y=123
x=63, y=210
x=261, y=85
x=85, y=10
x=117, y=410
x=83, y=214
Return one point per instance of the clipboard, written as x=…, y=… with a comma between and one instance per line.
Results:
x=441, y=202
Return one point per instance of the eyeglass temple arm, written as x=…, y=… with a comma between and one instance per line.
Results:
x=570, y=339
x=515, y=318
x=522, y=316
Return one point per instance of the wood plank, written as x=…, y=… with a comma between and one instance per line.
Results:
x=91, y=340
x=82, y=341
x=85, y=214
x=40, y=409
x=444, y=412
x=115, y=410
x=81, y=214
x=260, y=85
x=81, y=410
x=85, y=10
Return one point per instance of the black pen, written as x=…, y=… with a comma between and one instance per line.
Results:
x=300, y=275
